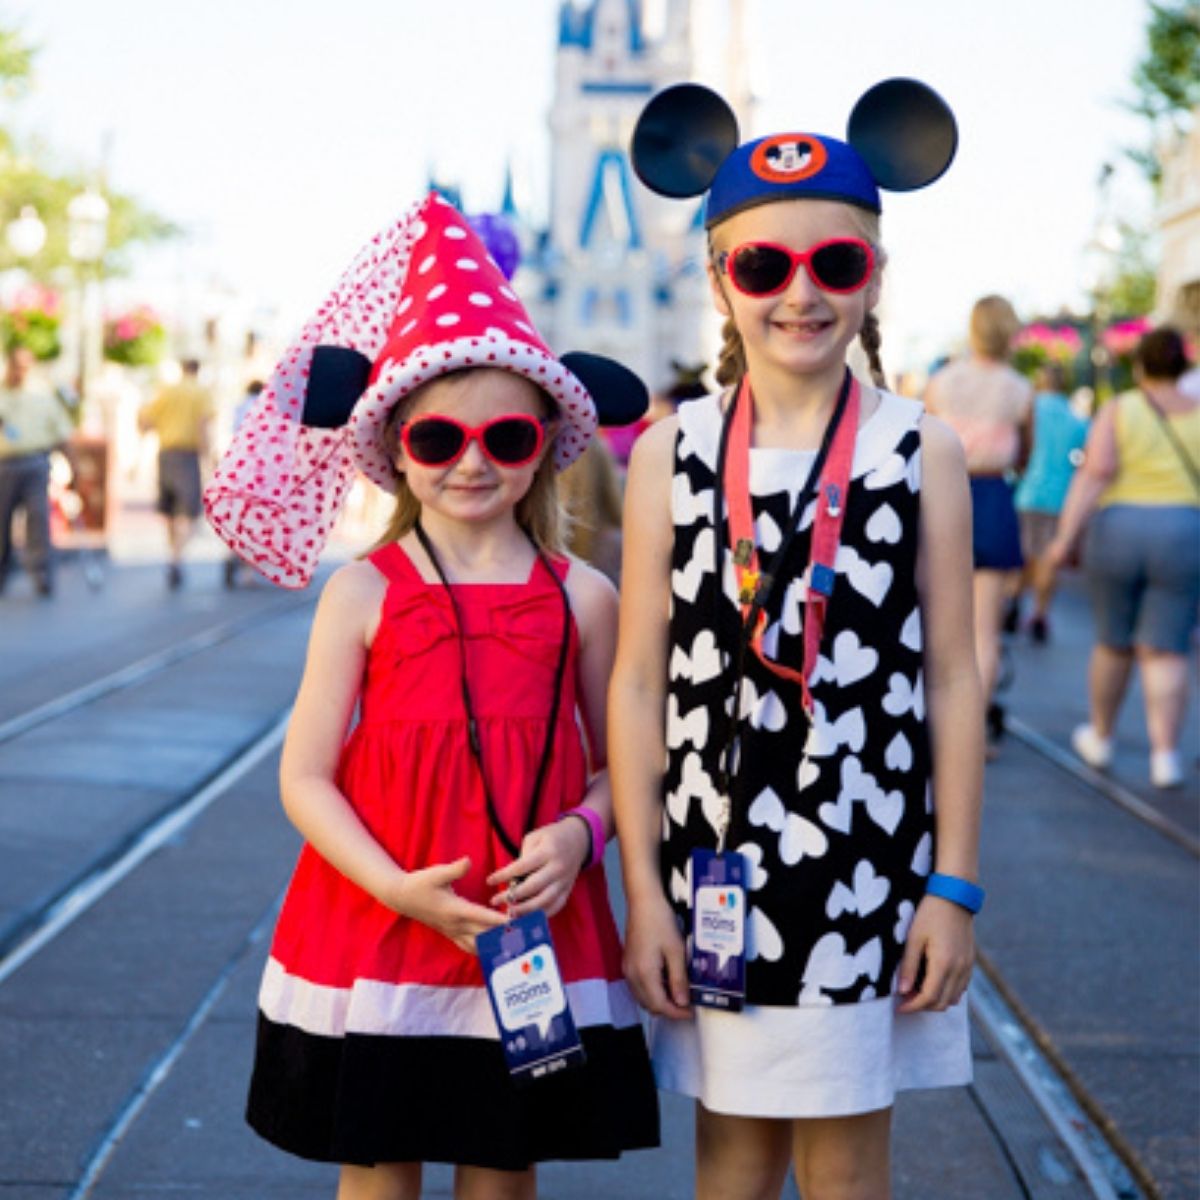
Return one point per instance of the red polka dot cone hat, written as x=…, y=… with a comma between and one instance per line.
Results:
x=422, y=298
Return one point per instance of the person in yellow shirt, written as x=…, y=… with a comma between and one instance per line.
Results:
x=181, y=415
x=32, y=423
x=1138, y=492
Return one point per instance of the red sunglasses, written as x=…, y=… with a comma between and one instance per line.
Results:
x=840, y=265
x=509, y=441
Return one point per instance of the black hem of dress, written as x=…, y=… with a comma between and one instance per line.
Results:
x=367, y=1099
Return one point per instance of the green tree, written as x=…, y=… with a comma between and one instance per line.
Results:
x=25, y=180
x=1131, y=289
x=1166, y=80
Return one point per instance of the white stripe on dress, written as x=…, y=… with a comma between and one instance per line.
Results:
x=419, y=1010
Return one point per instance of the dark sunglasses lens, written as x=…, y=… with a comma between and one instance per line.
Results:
x=841, y=265
x=433, y=441
x=513, y=440
x=760, y=270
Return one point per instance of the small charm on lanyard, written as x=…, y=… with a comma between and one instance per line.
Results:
x=748, y=588
x=537, y=1032
x=833, y=500
x=717, y=957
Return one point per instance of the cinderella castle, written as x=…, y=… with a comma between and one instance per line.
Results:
x=618, y=270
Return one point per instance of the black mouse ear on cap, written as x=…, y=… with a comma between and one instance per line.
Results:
x=905, y=132
x=337, y=376
x=619, y=395
x=681, y=139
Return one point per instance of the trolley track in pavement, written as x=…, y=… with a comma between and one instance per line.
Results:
x=145, y=668
x=1104, y=785
x=58, y=905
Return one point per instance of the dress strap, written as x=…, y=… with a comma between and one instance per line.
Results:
x=561, y=563
x=394, y=564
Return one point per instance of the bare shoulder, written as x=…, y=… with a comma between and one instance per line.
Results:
x=655, y=449
x=651, y=469
x=941, y=447
x=352, y=596
x=592, y=593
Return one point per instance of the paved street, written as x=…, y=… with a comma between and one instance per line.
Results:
x=127, y=1007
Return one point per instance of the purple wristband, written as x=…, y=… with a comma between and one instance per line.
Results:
x=595, y=823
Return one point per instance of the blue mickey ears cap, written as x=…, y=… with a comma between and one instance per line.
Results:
x=901, y=136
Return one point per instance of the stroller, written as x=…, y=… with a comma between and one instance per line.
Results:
x=77, y=506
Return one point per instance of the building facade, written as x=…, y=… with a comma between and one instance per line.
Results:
x=1179, y=229
x=618, y=270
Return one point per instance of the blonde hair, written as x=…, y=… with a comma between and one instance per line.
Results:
x=539, y=511
x=731, y=358
x=994, y=324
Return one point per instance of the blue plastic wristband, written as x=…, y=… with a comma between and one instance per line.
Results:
x=958, y=891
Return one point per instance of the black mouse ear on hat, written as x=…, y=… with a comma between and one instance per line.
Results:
x=337, y=376
x=681, y=139
x=620, y=396
x=905, y=132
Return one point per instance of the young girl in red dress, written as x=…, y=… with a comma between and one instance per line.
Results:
x=467, y=657
x=796, y=648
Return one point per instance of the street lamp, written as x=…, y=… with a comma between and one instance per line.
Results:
x=26, y=234
x=87, y=227
x=87, y=239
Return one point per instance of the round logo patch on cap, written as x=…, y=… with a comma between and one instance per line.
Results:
x=787, y=158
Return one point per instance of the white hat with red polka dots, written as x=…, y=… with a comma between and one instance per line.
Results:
x=457, y=311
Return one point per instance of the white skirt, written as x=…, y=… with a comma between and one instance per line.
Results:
x=832, y=1061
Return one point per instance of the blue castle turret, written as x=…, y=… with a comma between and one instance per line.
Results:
x=618, y=271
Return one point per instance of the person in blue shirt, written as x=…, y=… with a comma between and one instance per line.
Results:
x=1058, y=438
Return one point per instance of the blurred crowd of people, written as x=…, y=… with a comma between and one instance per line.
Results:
x=1130, y=514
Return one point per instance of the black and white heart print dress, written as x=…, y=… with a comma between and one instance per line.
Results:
x=833, y=815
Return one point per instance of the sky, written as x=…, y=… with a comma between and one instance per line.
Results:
x=280, y=134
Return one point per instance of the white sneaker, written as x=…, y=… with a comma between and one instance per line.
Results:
x=1095, y=750
x=1165, y=769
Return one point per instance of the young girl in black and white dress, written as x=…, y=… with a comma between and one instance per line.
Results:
x=795, y=645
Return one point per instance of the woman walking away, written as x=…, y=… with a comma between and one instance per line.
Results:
x=1140, y=487
x=1058, y=437
x=988, y=405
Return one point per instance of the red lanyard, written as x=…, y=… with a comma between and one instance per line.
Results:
x=831, y=491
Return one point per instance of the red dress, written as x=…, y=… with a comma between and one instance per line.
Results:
x=376, y=1039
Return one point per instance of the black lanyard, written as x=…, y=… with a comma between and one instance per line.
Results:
x=472, y=728
x=727, y=764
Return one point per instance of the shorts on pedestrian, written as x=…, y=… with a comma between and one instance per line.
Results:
x=1037, y=532
x=995, y=533
x=1143, y=569
x=179, y=483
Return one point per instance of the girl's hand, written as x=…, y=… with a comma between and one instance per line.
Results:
x=654, y=959
x=941, y=943
x=428, y=896
x=544, y=874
